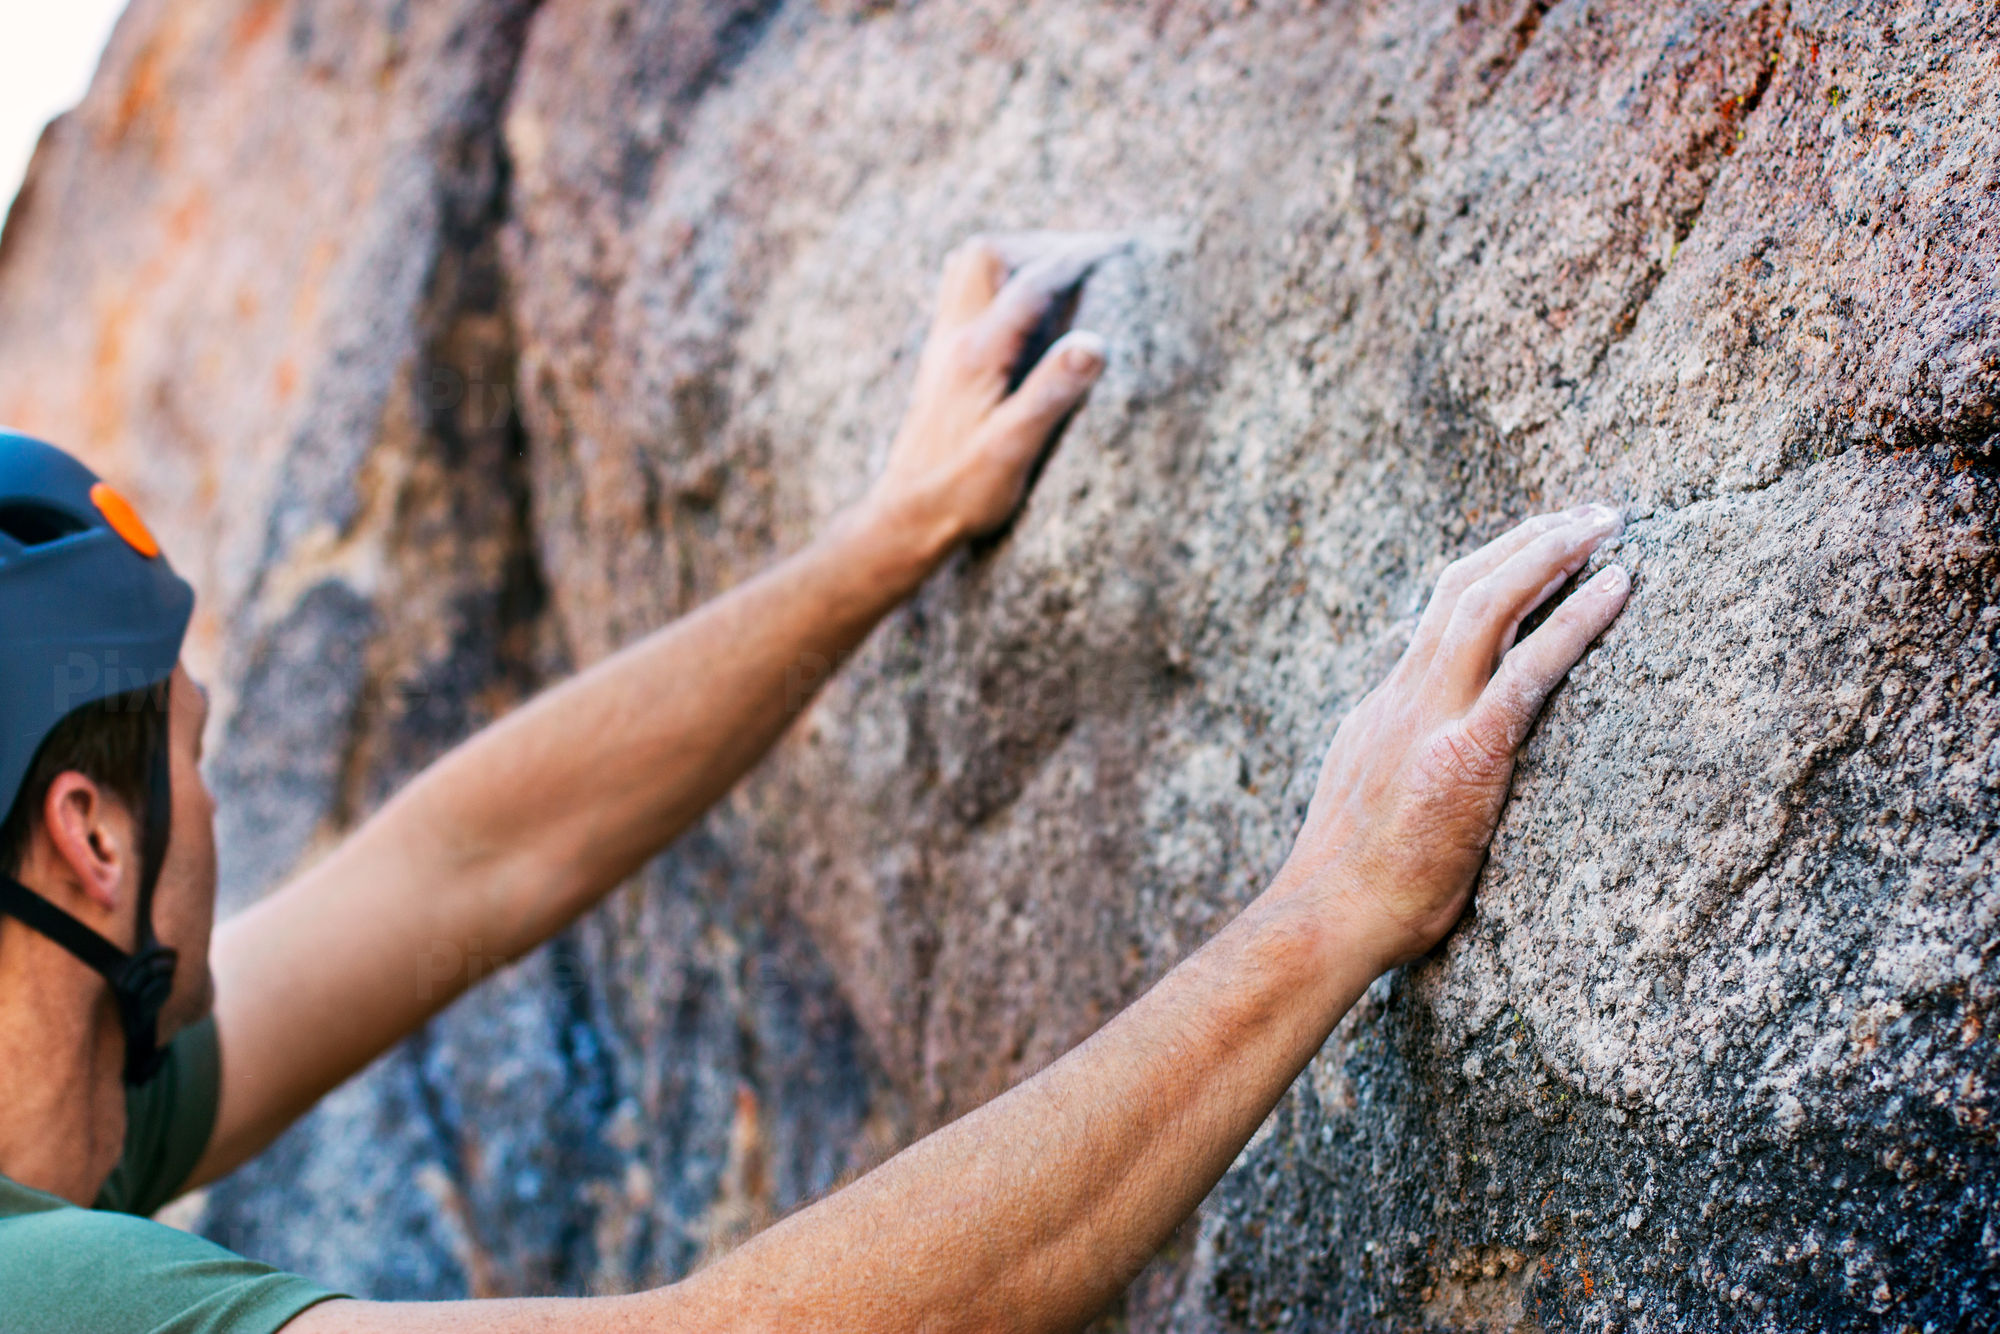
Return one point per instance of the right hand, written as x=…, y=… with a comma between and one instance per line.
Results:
x=961, y=461
x=1413, y=786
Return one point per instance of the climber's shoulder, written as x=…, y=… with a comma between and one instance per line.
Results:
x=65, y=1269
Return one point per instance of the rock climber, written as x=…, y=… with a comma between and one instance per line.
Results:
x=139, y=1059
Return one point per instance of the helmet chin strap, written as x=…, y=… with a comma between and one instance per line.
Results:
x=140, y=981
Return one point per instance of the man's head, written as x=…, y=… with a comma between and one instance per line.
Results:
x=98, y=735
x=75, y=832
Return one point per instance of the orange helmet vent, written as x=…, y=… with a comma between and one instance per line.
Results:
x=124, y=520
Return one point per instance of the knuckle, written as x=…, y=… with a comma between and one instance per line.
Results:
x=1548, y=523
x=1556, y=544
x=1465, y=755
x=1518, y=698
x=996, y=441
x=1007, y=437
x=1453, y=581
x=968, y=351
x=1480, y=600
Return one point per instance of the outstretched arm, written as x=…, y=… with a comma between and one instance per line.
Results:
x=1030, y=1213
x=510, y=837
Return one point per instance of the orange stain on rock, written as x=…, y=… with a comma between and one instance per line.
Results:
x=104, y=420
x=305, y=306
x=252, y=24
x=187, y=218
x=141, y=96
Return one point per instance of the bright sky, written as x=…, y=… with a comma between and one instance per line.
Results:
x=48, y=51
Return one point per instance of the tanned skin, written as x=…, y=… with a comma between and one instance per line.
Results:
x=1028, y=1214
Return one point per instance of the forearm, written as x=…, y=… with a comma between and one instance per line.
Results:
x=503, y=842
x=1033, y=1211
x=539, y=816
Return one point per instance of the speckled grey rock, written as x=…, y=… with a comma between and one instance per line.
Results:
x=1715, y=1049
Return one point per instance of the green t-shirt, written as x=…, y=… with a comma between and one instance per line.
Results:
x=108, y=1269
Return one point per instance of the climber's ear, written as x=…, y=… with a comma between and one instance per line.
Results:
x=93, y=841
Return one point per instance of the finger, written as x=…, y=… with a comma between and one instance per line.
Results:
x=1020, y=249
x=1467, y=570
x=1021, y=425
x=973, y=276
x=1491, y=609
x=1512, y=699
x=1542, y=595
x=1001, y=335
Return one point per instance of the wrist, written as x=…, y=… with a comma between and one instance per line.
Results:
x=902, y=539
x=1353, y=930
x=1291, y=968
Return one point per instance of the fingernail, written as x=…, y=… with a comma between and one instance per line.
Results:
x=1612, y=580
x=1085, y=355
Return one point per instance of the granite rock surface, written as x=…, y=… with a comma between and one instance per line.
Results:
x=454, y=345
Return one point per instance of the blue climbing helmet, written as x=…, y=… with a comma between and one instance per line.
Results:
x=89, y=609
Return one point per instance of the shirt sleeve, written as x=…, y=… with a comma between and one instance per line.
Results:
x=168, y=1122
x=81, y=1271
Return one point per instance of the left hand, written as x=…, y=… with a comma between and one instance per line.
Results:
x=1413, y=784
x=961, y=461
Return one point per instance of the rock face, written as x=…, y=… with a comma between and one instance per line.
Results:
x=456, y=344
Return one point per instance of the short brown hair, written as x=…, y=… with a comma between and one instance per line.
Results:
x=110, y=741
